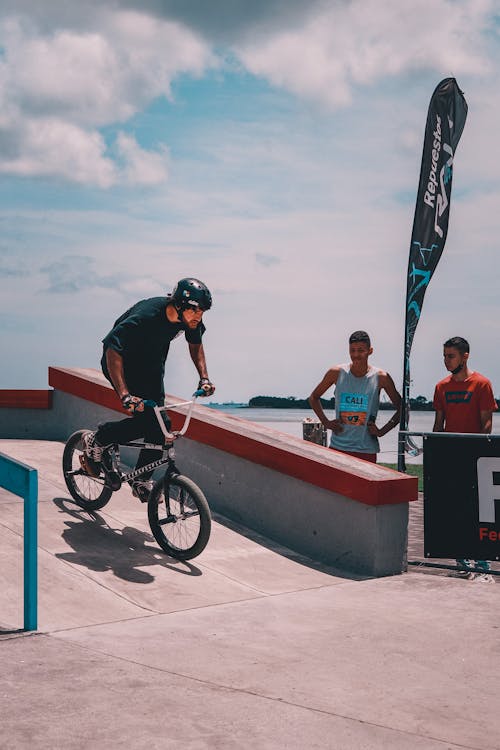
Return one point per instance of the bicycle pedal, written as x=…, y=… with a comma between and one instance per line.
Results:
x=113, y=480
x=89, y=467
x=142, y=491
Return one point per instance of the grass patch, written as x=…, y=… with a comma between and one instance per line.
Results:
x=414, y=470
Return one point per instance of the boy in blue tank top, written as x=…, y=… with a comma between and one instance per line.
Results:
x=357, y=395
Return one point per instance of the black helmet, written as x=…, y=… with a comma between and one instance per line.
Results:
x=191, y=293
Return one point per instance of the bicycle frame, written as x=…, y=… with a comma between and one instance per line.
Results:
x=171, y=436
x=167, y=450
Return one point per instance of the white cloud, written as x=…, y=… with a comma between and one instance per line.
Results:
x=52, y=147
x=66, y=73
x=96, y=76
x=360, y=42
x=140, y=166
x=55, y=148
x=58, y=87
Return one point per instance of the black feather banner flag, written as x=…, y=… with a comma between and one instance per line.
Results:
x=445, y=123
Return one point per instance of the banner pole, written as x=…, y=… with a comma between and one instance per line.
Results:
x=403, y=421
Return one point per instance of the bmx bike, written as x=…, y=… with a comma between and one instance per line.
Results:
x=178, y=511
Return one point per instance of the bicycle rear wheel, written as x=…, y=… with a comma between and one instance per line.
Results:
x=179, y=517
x=90, y=493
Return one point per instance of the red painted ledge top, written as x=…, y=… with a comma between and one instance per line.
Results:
x=315, y=464
x=19, y=399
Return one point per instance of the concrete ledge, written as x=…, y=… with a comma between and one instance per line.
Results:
x=10, y=399
x=332, y=507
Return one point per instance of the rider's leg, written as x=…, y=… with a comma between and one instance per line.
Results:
x=119, y=431
x=152, y=434
x=141, y=425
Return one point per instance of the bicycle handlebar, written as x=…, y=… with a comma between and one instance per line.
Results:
x=169, y=436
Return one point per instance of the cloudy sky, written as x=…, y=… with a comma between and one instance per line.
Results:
x=270, y=148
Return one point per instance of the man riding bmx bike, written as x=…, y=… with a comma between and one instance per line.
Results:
x=133, y=360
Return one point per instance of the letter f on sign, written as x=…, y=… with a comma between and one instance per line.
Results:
x=487, y=491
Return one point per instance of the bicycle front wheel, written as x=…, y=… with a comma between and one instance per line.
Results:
x=89, y=492
x=179, y=517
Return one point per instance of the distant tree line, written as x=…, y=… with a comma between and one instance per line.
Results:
x=286, y=402
x=419, y=403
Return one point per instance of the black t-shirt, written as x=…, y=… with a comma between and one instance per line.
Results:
x=142, y=336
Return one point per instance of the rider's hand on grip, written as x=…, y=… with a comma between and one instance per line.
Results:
x=132, y=403
x=206, y=386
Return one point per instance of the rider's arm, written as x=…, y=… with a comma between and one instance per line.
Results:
x=198, y=357
x=114, y=361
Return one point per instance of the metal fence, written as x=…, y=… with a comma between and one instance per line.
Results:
x=22, y=480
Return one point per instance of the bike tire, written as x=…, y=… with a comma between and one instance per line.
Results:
x=179, y=517
x=90, y=493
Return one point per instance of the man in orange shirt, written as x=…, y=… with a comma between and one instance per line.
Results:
x=464, y=402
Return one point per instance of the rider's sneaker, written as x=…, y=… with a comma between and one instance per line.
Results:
x=91, y=457
x=142, y=490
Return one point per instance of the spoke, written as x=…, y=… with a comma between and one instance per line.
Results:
x=168, y=519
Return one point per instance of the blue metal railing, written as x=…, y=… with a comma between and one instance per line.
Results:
x=22, y=480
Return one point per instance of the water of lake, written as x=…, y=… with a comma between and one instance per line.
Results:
x=290, y=422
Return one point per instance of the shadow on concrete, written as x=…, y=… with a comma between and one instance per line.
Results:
x=5, y=631
x=100, y=547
